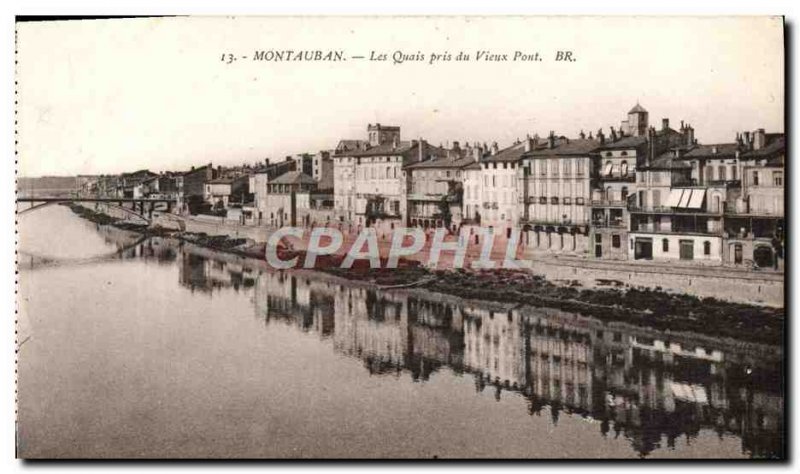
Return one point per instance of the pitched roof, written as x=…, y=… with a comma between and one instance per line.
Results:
x=566, y=147
x=774, y=147
x=637, y=109
x=720, y=150
x=293, y=177
x=443, y=162
x=666, y=161
x=624, y=142
x=350, y=145
x=386, y=149
x=509, y=154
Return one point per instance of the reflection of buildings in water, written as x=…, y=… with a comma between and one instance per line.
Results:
x=494, y=346
x=372, y=327
x=198, y=272
x=639, y=383
x=305, y=303
x=153, y=249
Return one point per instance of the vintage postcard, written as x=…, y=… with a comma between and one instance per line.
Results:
x=444, y=237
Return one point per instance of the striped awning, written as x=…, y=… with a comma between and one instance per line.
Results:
x=686, y=198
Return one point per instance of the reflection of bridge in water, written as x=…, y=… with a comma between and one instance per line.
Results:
x=142, y=208
x=649, y=386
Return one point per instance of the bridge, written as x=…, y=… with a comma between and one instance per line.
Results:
x=139, y=207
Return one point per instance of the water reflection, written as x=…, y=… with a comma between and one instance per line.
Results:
x=644, y=385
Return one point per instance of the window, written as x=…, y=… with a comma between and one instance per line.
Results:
x=777, y=177
x=624, y=153
x=665, y=245
x=567, y=200
x=706, y=248
x=554, y=200
x=615, y=241
x=608, y=153
x=542, y=200
x=733, y=173
x=656, y=197
x=755, y=178
x=579, y=201
x=624, y=194
x=623, y=168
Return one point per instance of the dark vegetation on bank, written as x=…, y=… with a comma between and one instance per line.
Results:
x=645, y=307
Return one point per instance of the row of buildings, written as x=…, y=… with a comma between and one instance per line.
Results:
x=635, y=192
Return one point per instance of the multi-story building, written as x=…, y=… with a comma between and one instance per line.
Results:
x=285, y=199
x=754, y=228
x=500, y=210
x=191, y=187
x=369, y=176
x=435, y=188
x=555, y=183
x=687, y=193
x=322, y=169
x=473, y=188
x=223, y=191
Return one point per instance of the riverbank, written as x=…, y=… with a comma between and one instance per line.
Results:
x=640, y=306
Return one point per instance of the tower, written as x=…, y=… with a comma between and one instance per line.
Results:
x=637, y=121
x=382, y=134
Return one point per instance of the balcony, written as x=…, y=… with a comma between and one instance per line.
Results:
x=609, y=203
x=626, y=178
x=653, y=229
x=614, y=224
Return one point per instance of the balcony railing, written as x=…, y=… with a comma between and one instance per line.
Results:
x=628, y=178
x=610, y=224
x=608, y=203
x=658, y=230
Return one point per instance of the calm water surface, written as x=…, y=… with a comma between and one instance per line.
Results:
x=148, y=348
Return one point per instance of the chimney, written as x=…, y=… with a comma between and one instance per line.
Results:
x=689, y=135
x=613, y=135
x=456, y=146
x=714, y=150
x=651, y=146
x=495, y=148
x=600, y=136
x=747, y=143
x=551, y=140
x=759, y=139
x=477, y=152
x=420, y=150
x=396, y=142
x=664, y=123
x=582, y=135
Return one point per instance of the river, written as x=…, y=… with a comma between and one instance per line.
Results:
x=147, y=348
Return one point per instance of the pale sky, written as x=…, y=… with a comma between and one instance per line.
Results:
x=108, y=96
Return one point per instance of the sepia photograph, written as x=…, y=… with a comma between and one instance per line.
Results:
x=401, y=237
